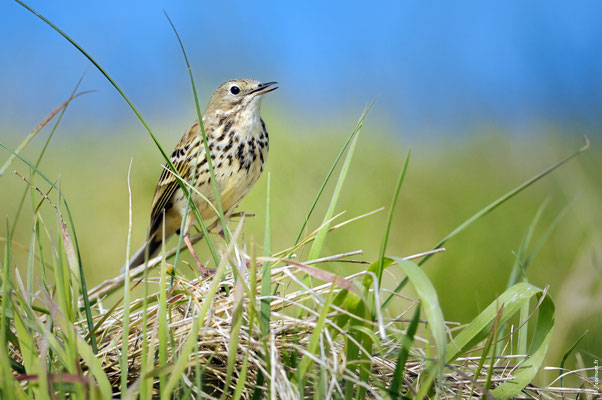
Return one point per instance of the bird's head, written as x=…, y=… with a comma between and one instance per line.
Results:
x=239, y=94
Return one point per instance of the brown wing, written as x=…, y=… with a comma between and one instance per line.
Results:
x=181, y=157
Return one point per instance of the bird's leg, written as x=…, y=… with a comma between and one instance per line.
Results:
x=204, y=271
x=220, y=227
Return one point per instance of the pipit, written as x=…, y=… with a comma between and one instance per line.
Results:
x=238, y=145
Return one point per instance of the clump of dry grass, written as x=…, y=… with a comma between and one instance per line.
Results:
x=288, y=334
x=298, y=315
x=295, y=313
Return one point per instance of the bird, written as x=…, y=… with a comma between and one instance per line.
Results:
x=238, y=144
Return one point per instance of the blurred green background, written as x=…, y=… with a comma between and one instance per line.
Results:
x=486, y=97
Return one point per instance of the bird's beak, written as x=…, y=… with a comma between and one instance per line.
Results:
x=264, y=88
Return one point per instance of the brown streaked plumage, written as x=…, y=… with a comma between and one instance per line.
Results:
x=238, y=145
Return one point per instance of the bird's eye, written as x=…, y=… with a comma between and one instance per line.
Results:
x=235, y=90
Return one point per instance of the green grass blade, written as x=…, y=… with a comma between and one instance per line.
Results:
x=495, y=204
x=521, y=265
x=82, y=276
x=72, y=262
x=29, y=351
x=147, y=357
x=479, y=327
x=163, y=312
x=266, y=290
x=352, y=354
x=26, y=341
x=31, y=256
x=491, y=342
x=517, y=268
x=41, y=155
x=242, y=379
x=407, y=343
x=266, y=270
x=544, y=237
x=38, y=325
x=237, y=318
x=330, y=172
x=203, y=133
x=427, y=379
x=306, y=361
x=513, y=300
x=95, y=366
x=383, y=246
x=523, y=331
x=253, y=307
x=318, y=243
x=537, y=352
x=7, y=381
x=429, y=303
x=492, y=206
x=37, y=129
x=567, y=354
x=495, y=332
x=61, y=279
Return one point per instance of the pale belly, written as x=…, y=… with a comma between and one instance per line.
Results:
x=233, y=185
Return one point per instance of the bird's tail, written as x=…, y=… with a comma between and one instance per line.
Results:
x=147, y=250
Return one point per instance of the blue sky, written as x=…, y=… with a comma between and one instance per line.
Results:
x=435, y=66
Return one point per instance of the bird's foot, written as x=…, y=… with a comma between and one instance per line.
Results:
x=204, y=271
